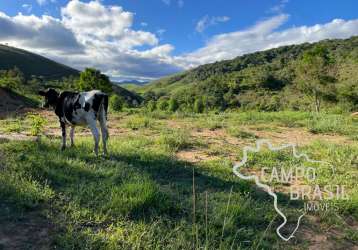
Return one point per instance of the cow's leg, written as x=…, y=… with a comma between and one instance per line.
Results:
x=104, y=133
x=63, y=127
x=72, y=134
x=94, y=130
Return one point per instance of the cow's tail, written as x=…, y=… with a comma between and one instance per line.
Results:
x=103, y=111
x=104, y=107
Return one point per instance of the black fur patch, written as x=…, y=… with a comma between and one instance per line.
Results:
x=66, y=105
x=105, y=104
x=77, y=104
x=87, y=106
x=96, y=102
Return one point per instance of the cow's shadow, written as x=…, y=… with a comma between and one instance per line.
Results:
x=87, y=182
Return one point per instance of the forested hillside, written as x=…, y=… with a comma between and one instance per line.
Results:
x=31, y=64
x=23, y=74
x=270, y=80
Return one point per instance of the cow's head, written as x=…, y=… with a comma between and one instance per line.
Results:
x=51, y=97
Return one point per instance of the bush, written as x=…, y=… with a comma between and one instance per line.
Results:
x=173, y=105
x=162, y=104
x=175, y=140
x=12, y=79
x=37, y=124
x=199, y=106
x=151, y=105
x=116, y=102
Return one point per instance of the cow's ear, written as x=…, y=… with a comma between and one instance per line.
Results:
x=41, y=92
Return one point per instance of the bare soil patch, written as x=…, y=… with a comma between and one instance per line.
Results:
x=194, y=156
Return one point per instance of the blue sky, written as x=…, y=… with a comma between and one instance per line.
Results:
x=147, y=39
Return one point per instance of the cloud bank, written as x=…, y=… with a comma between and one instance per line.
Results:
x=91, y=34
x=265, y=35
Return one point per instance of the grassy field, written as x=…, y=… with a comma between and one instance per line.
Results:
x=168, y=183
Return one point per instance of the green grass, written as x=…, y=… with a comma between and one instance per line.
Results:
x=333, y=124
x=138, y=122
x=138, y=197
x=11, y=126
x=141, y=195
x=175, y=140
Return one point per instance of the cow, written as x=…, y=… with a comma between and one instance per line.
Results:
x=84, y=108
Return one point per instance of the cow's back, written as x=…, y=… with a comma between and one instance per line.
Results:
x=78, y=108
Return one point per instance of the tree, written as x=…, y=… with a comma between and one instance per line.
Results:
x=116, y=102
x=70, y=82
x=93, y=79
x=149, y=95
x=313, y=73
x=12, y=79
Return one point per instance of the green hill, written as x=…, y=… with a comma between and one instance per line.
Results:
x=56, y=75
x=131, y=98
x=32, y=64
x=263, y=80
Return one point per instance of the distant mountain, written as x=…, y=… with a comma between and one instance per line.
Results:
x=136, y=82
x=32, y=64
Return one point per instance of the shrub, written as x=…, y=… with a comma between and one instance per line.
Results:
x=151, y=105
x=12, y=79
x=162, y=104
x=175, y=140
x=37, y=124
x=14, y=126
x=173, y=105
x=116, y=102
x=198, y=106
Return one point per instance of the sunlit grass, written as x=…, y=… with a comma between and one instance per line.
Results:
x=141, y=195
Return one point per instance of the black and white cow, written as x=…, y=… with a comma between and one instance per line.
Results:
x=84, y=108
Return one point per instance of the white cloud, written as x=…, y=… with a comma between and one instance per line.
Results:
x=91, y=35
x=27, y=7
x=40, y=33
x=95, y=21
x=264, y=35
x=180, y=3
x=43, y=2
x=279, y=7
x=207, y=21
x=160, y=32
